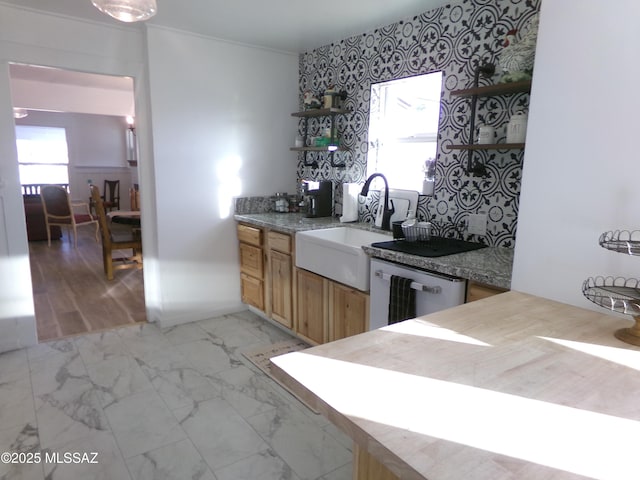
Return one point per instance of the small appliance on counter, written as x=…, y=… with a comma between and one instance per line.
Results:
x=318, y=198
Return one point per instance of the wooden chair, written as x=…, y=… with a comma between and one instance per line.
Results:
x=134, y=199
x=112, y=241
x=111, y=196
x=59, y=211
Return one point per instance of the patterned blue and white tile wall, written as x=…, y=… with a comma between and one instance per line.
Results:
x=454, y=39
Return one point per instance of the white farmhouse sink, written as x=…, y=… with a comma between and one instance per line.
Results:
x=336, y=253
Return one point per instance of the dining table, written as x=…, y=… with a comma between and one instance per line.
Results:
x=125, y=217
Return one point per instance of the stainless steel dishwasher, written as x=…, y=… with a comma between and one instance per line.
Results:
x=434, y=291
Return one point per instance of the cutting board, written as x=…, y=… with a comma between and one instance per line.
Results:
x=403, y=201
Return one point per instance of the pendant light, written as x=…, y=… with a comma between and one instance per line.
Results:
x=127, y=10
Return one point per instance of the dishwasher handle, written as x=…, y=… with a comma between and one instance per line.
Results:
x=414, y=285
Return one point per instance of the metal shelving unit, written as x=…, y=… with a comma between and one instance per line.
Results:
x=618, y=294
x=331, y=148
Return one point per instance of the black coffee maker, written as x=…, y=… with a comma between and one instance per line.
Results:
x=318, y=198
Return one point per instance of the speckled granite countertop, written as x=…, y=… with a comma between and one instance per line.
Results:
x=491, y=265
x=297, y=222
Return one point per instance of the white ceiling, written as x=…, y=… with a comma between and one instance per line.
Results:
x=69, y=77
x=288, y=25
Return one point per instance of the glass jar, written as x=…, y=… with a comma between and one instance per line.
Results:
x=282, y=202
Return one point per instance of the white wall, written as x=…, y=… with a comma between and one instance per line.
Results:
x=581, y=168
x=34, y=38
x=221, y=128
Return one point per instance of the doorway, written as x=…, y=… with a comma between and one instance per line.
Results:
x=71, y=293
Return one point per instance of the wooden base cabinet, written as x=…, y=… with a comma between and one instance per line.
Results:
x=317, y=309
x=327, y=310
x=312, y=306
x=366, y=467
x=349, y=311
x=478, y=291
x=281, y=277
x=251, y=266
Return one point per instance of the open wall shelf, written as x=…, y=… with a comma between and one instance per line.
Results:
x=492, y=146
x=496, y=89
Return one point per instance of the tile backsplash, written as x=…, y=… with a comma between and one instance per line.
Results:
x=454, y=39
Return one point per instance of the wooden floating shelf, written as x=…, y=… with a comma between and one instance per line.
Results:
x=317, y=149
x=496, y=89
x=320, y=112
x=492, y=146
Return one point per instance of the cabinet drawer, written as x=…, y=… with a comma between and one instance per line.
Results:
x=251, y=235
x=251, y=260
x=252, y=290
x=280, y=242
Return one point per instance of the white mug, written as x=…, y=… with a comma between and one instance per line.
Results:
x=486, y=135
x=517, y=128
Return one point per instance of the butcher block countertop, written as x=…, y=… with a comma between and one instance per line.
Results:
x=510, y=387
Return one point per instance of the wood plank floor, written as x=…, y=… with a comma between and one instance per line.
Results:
x=71, y=293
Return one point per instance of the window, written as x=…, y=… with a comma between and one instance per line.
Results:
x=42, y=155
x=403, y=129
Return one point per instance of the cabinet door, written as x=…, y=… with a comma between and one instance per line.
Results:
x=281, y=288
x=349, y=312
x=312, y=294
x=252, y=291
x=251, y=260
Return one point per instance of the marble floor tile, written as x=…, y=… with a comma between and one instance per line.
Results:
x=175, y=379
x=64, y=371
x=343, y=473
x=116, y=378
x=69, y=412
x=14, y=365
x=179, y=460
x=209, y=356
x=52, y=355
x=249, y=392
x=21, y=471
x=97, y=347
x=233, y=330
x=336, y=433
x=185, y=333
x=16, y=403
x=48, y=348
x=302, y=443
x=143, y=338
x=95, y=456
x=220, y=434
x=263, y=329
x=265, y=465
x=20, y=439
x=142, y=422
x=177, y=403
